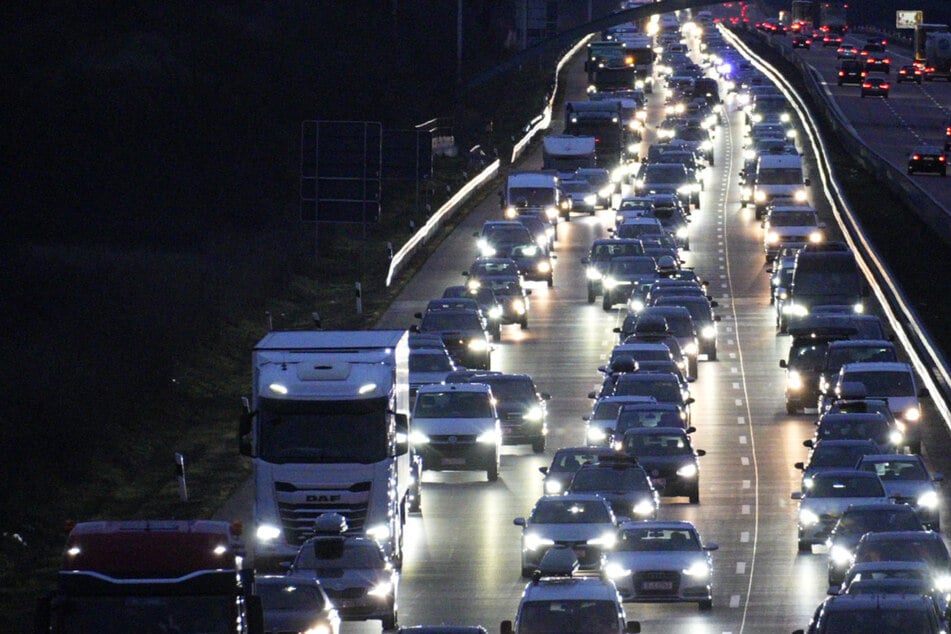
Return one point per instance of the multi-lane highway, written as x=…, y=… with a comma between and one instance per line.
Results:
x=462, y=554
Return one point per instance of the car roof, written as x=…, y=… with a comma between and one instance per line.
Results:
x=839, y=473
x=849, y=602
x=859, y=343
x=928, y=149
x=648, y=431
x=570, y=588
x=877, y=366
x=901, y=536
x=659, y=524
x=453, y=387
x=891, y=457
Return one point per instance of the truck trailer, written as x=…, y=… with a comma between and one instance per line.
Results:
x=565, y=153
x=327, y=429
x=152, y=576
x=604, y=121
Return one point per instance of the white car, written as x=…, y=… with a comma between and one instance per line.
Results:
x=823, y=503
x=456, y=427
x=663, y=562
x=790, y=225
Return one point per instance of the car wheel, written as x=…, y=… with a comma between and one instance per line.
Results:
x=492, y=473
x=712, y=356
x=706, y=604
x=606, y=302
x=914, y=446
x=497, y=334
x=524, y=323
x=550, y=281
x=591, y=294
x=804, y=547
x=791, y=409
x=693, y=366
x=538, y=445
x=687, y=245
x=389, y=621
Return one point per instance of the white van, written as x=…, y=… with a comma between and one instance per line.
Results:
x=778, y=175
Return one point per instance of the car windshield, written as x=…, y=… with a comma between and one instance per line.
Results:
x=453, y=404
x=893, y=621
x=608, y=251
x=520, y=390
x=435, y=321
x=664, y=390
x=571, y=461
x=503, y=286
x=793, y=219
x=657, y=444
x=840, y=355
x=609, y=479
x=635, y=204
x=535, y=196
x=336, y=554
x=430, y=363
x=628, y=419
x=807, y=356
x=826, y=455
x=507, y=234
x=679, y=323
x=861, y=521
x=570, y=512
x=577, y=187
x=699, y=307
x=633, y=266
x=652, y=539
x=886, y=383
x=289, y=596
x=930, y=551
x=876, y=430
x=846, y=487
x=642, y=354
x=665, y=173
x=568, y=617
x=897, y=470
x=487, y=267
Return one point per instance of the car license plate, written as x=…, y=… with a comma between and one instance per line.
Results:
x=453, y=461
x=658, y=585
x=580, y=552
x=659, y=482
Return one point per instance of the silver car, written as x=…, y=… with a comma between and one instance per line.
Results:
x=664, y=562
x=295, y=604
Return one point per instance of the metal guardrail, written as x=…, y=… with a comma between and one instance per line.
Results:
x=540, y=122
x=925, y=356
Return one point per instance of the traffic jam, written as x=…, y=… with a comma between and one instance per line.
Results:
x=328, y=540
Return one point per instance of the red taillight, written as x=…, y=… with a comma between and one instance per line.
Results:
x=947, y=131
x=915, y=157
x=886, y=61
x=864, y=73
x=942, y=158
x=866, y=85
x=886, y=86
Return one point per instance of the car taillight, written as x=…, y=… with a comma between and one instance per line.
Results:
x=942, y=158
x=864, y=73
x=947, y=132
x=915, y=157
x=841, y=73
x=866, y=85
x=886, y=61
x=885, y=86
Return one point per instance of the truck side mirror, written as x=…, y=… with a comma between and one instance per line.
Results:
x=244, y=433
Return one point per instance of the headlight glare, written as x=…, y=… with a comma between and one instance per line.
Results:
x=687, y=471
x=268, y=532
x=807, y=518
x=643, y=509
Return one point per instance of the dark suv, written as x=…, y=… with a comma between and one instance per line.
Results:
x=851, y=72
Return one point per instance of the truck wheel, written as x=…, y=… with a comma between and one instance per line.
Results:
x=538, y=445
x=492, y=473
x=524, y=323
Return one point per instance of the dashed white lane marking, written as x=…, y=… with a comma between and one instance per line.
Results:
x=733, y=356
x=736, y=386
x=745, y=537
x=739, y=402
x=729, y=329
x=735, y=601
x=743, y=440
x=741, y=567
x=734, y=370
x=745, y=509
x=730, y=342
x=745, y=461
x=746, y=484
x=741, y=420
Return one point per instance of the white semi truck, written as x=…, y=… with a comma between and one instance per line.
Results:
x=327, y=429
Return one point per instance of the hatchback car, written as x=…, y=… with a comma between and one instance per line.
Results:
x=875, y=613
x=295, y=604
x=875, y=87
x=621, y=481
x=928, y=159
x=858, y=520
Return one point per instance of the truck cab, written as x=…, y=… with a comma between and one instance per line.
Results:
x=778, y=175
x=535, y=191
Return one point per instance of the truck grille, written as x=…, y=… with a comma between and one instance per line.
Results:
x=300, y=506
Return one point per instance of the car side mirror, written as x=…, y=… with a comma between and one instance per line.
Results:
x=586, y=417
x=700, y=453
x=806, y=182
x=528, y=291
x=690, y=400
x=797, y=495
x=244, y=433
x=716, y=317
x=714, y=303
x=783, y=364
x=506, y=627
x=799, y=465
x=807, y=443
x=710, y=546
x=543, y=470
x=414, y=329
x=545, y=396
x=690, y=430
x=616, y=329
x=632, y=627
x=519, y=521
x=592, y=395
x=822, y=225
x=418, y=315
x=475, y=234
x=937, y=477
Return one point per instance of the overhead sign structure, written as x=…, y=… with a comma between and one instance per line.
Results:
x=341, y=170
x=908, y=19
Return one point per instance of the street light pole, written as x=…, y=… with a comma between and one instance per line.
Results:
x=459, y=42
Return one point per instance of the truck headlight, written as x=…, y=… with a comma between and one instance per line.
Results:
x=533, y=541
x=912, y=414
x=511, y=213
x=592, y=273
x=698, y=570
x=490, y=437
x=610, y=283
x=534, y=415
x=596, y=434
x=807, y=518
x=749, y=155
x=682, y=233
x=268, y=533
x=757, y=118
x=551, y=212
x=708, y=332
x=643, y=509
x=473, y=284
x=794, y=381
x=380, y=532
x=896, y=437
x=519, y=306
x=381, y=589
x=785, y=118
x=487, y=251
x=606, y=191
x=687, y=471
x=772, y=237
x=553, y=487
x=928, y=500
x=418, y=438
x=478, y=345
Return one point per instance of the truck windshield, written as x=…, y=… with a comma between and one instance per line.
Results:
x=323, y=431
x=779, y=176
x=146, y=615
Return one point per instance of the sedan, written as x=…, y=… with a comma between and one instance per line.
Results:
x=875, y=87
x=295, y=604
x=928, y=159
x=663, y=562
x=909, y=73
x=566, y=462
x=906, y=478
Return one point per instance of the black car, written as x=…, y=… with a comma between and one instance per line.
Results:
x=858, y=520
x=534, y=263
x=603, y=250
x=669, y=459
x=928, y=159
x=498, y=237
x=622, y=482
x=875, y=87
x=909, y=73
x=566, y=462
x=488, y=303
x=464, y=333
x=624, y=276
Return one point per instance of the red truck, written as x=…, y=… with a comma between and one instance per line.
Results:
x=152, y=576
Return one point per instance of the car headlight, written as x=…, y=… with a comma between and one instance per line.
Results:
x=943, y=583
x=533, y=541
x=747, y=193
x=749, y=155
x=610, y=283
x=912, y=414
x=791, y=134
x=643, y=509
x=859, y=307
x=785, y=118
x=840, y=555
x=772, y=237
x=895, y=437
x=815, y=237
x=488, y=251
x=481, y=244
x=511, y=213
x=687, y=471
x=596, y=434
x=635, y=305
x=800, y=196
x=642, y=115
x=607, y=540
x=478, y=345
x=759, y=196
x=380, y=532
x=473, y=284
x=544, y=266
x=553, y=487
x=565, y=204
x=606, y=192
x=795, y=310
x=683, y=190
x=928, y=500
x=807, y=518
x=706, y=146
x=793, y=380
x=495, y=312
x=683, y=233
x=551, y=212
x=590, y=199
x=418, y=438
x=320, y=628
x=698, y=570
x=490, y=437
x=519, y=306
x=593, y=274
x=268, y=533
x=534, y=415
x=708, y=332
x=614, y=570
x=691, y=348
x=381, y=589
x=618, y=174
x=807, y=482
